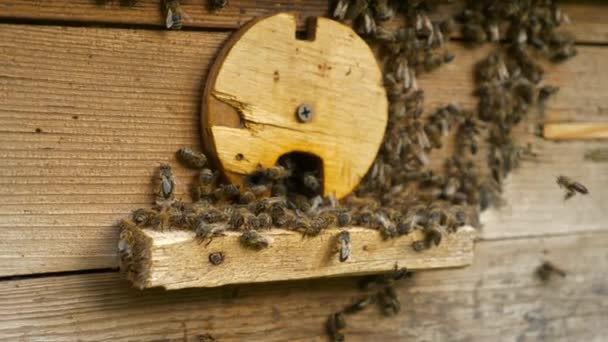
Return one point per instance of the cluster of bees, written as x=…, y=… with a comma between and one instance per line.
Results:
x=172, y=10
x=379, y=290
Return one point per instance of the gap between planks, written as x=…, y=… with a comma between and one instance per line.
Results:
x=497, y=296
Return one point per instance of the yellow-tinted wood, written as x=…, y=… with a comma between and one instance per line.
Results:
x=177, y=260
x=575, y=131
x=265, y=73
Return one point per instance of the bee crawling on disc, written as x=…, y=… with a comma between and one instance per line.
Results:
x=571, y=186
x=192, y=159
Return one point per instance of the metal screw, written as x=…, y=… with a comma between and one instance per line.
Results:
x=304, y=112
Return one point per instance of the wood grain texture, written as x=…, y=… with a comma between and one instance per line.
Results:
x=575, y=131
x=497, y=296
x=147, y=12
x=265, y=74
x=176, y=259
x=589, y=24
x=111, y=104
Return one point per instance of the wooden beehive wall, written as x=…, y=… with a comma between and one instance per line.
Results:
x=92, y=98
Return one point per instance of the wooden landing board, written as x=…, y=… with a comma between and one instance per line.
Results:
x=176, y=259
x=497, y=296
x=575, y=131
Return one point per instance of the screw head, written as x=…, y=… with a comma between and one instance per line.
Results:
x=304, y=112
x=216, y=258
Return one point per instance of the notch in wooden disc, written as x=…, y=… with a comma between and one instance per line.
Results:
x=253, y=112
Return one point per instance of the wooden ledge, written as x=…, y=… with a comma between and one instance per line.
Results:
x=175, y=259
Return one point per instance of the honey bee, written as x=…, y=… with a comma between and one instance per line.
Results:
x=336, y=323
x=174, y=15
x=247, y=197
x=279, y=189
x=277, y=172
x=389, y=302
x=190, y=158
x=360, y=304
x=340, y=9
x=260, y=189
x=434, y=236
x=166, y=186
x=226, y=192
x=264, y=221
x=207, y=231
x=320, y=222
x=217, y=5
x=419, y=245
x=571, y=186
x=344, y=219
x=236, y=219
x=547, y=269
x=254, y=240
x=216, y=258
x=343, y=242
x=206, y=338
x=311, y=182
x=144, y=217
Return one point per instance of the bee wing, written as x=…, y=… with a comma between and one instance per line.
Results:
x=169, y=20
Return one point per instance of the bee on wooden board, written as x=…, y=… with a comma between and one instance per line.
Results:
x=166, y=185
x=174, y=14
x=343, y=245
x=360, y=304
x=547, y=269
x=572, y=187
x=190, y=158
x=217, y=5
x=254, y=240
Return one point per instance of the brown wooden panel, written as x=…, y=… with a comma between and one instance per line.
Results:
x=111, y=104
x=498, y=295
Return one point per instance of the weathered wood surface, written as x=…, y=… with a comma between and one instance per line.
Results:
x=575, y=131
x=589, y=24
x=147, y=12
x=177, y=259
x=497, y=298
x=111, y=104
x=264, y=73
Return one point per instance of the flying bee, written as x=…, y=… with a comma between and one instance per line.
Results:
x=217, y=5
x=190, y=158
x=166, y=186
x=343, y=245
x=174, y=15
x=367, y=23
x=340, y=9
x=335, y=327
x=547, y=269
x=360, y=304
x=254, y=240
x=383, y=10
x=571, y=186
x=277, y=173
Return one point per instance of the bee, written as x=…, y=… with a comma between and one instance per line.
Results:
x=226, y=192
x=212, y=215
x=389, y=301
x=311, y=182
x=571, y=186
x=264, y=221
x=190, y=158
x=367, y=24
x=259, y=190
x=336, y=324
x=216, y=258
x=340, y=9
x=217, y=5
x=419, y=245
x=166, y=186
x=544, y=93
x=207, y=231
x=301, y=202
x=252, y=239
x=383, y=10
x=174, y=15
x=360, y=304
x=474, y=32
x=207, y=177
x=285, y=221
x=206, y=338
x=364, y=218
x=385, y=225
x=434, y=236
x=547, y=269
x=277, y=173
x=279, y=189
x=247, y=197
x=344, y=219
x=597, y=155
x=144, y=217
x=343, y=244
x=320, y=222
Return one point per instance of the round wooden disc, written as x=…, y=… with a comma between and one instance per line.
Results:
x=261, y=77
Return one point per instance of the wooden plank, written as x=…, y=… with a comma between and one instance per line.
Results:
x=147, y=12
x=111, y=104
x=176, y=259
x=498, y=295
x=575, y=131
x=589, y=24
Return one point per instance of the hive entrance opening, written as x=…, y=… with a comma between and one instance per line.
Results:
x=306, y=173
